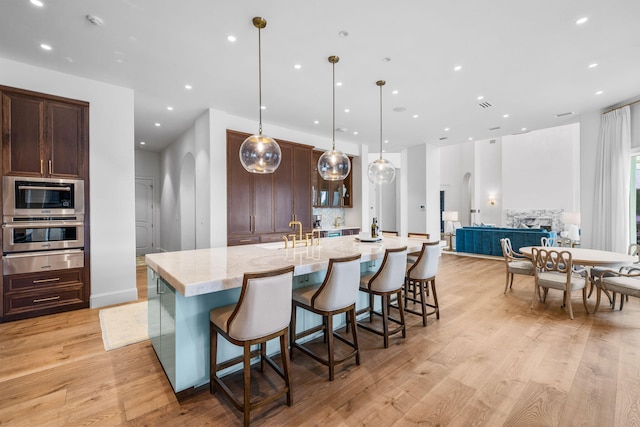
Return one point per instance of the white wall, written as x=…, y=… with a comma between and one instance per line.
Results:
x=489, y=161
x=417, y=189
x=111, y=171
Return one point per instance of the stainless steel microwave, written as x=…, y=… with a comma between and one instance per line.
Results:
x=37, y=197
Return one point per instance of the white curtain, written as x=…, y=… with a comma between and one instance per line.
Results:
x=611, y=209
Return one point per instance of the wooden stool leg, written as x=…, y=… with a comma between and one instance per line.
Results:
x=423, y=297
x=371, y=308
x=286, y=365
x=330, y=355
x=385, y=319
x=435, y=298
x=263, y=355
x=292, y=336
x=404, y=327
x=352, y=315
x=213, y=357
x=246, y=407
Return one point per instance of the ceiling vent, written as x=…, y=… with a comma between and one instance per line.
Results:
x=485, y=104
x=564, y=114
x=342, y=129
x=443, y=138
x=495, y=128
x=492, y=141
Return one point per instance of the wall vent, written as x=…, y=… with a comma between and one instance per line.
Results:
x=485, y=104
x=495, y=128
x=443, y=138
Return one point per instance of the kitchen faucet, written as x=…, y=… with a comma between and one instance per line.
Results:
x=336, y=222
x=299, y=224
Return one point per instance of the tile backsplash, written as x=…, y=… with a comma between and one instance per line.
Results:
x=329, y=215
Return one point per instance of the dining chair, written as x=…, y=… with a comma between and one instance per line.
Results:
x=515, y=263
x=262, y=313
x=335, y=295
x=626, y=284
x=547, y=241
x=419, y=275
x=595, y=272
x=387, y=281
x=554, y=270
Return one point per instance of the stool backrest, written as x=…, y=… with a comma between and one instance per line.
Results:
x=340, y=286
x=426, y=266
x=390, y=276
x=264, y=306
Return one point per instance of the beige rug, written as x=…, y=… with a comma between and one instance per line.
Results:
x=123, y=325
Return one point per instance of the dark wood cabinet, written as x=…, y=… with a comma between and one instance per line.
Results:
x=330, y=194
x=260, y=207
x=43, y=136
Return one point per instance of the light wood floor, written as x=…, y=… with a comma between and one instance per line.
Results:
x=490, y=360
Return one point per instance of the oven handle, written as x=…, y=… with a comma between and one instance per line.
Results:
x=44, y=224
x=43, y=188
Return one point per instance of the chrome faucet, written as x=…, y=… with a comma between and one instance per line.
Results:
x=299, y=224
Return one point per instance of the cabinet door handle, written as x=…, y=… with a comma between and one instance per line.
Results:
x=50, y=168
x=55, y=279
x=46, y=299
x=41, y=167
x=245, y=240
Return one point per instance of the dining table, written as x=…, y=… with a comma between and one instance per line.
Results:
x=588, y=257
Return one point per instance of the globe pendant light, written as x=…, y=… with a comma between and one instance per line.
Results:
x=381, y=171
x=334, y=165
x=260, y=153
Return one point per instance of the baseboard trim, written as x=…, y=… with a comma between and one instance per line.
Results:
x=112, y=298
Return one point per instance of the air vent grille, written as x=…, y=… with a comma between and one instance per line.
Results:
x=564, y=114
x=443, y=138
x=485, y=104
x=495, y=128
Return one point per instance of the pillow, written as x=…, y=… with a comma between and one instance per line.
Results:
x=523, y=225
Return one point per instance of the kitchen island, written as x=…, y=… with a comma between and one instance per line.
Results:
x=184, y=286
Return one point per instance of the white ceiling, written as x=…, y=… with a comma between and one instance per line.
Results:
x=527, y=58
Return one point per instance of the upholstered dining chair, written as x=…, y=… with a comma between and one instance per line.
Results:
x=554, y=270
x=514, y=264
x=387, y=281
x=596, y=272
x=336, y=294
x=547, y=241
x=420, y=274
x=617, y=282
x=262, y=313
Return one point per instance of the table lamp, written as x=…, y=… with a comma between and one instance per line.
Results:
x=449, y=217
x=572, y=220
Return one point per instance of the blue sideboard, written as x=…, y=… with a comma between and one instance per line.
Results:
x=486, y=240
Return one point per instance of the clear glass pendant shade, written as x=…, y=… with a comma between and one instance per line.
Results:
x=381, y=171
x=260, y=154
x=334, y=165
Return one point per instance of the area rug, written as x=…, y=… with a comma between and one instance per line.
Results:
x=123, y=325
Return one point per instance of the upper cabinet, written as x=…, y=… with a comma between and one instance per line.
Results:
x=330, y=194
x=43, y=136
x=260, y=207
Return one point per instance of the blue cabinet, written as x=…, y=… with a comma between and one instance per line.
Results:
x=162, y=324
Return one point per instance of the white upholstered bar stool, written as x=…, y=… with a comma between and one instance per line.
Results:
x=336, y=294
x=385, y=282
x=419, y=275
x=262, y=313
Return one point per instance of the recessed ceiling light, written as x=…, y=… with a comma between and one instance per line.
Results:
x=231, y=38
x=170, y=108
x=480, y=98
x=343, y=33
x=37, y=3
x=457, y=68
x=505, y=116
x=594, y=65
x=582, y=20
x=142, y=143
x=339, y=84
x=346, y=110
x=446, y=129
x=395, y=92
x=523, y=129
x=355, y=133
x=157, y=124
x=45, y=46
x=263, y=107
x=188, y=87
x=599, y=92
x=120, y=60
x=386, y=141
x=315, y=122
x=384, y=151
x=415, y=116
x=470, y=139
x=297, y=66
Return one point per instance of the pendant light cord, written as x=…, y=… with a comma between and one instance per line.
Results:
x=259, y=83
x=334, y=108
x=380, y=122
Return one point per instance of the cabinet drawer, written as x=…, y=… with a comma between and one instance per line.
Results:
x=245, y=240
x=35, y=281
x=40, y=300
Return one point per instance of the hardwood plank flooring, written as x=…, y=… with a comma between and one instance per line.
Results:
x=490, y=360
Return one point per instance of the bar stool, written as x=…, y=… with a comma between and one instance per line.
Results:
x=261, y=314
x=388, y=280
x=419, y=275
x=336, y=294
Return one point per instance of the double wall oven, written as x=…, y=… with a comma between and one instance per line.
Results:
x=42, y=224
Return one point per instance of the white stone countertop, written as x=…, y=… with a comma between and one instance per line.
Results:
x=202, y=271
